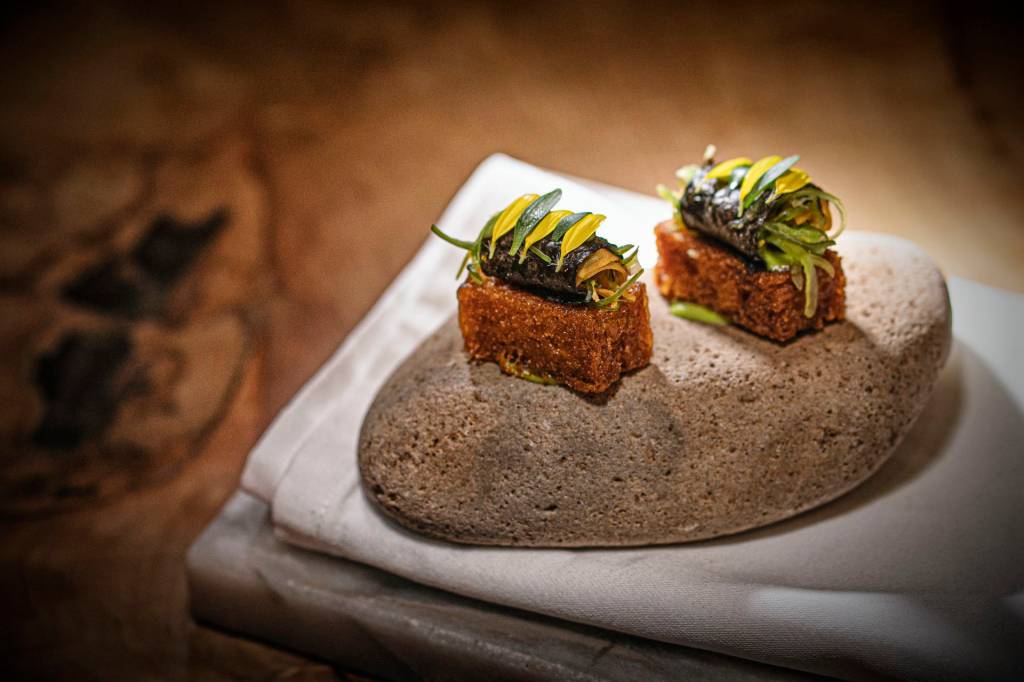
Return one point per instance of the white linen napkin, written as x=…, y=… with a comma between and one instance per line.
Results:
x=918, y=573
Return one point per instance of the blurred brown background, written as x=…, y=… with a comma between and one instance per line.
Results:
x=198, y=203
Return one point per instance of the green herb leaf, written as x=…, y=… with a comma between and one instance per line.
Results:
x=668, y=195
x=810, y=286
x=516, y=369
x=809, y=236
x=686, y=174
x=465, y=261
x=540, y=254
x=824, y=264
x=533, y=214
x=462, y=244
x=776, y=261
x=804, y=259
x=796, y=274
x=630, y=259
x=736, y=177
x=766, y=180
x=565, y=224
x=537, y=378
x=696, y=313
x=485, y=234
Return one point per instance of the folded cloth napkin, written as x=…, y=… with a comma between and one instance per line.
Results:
x=242, y=579
x=917, y=574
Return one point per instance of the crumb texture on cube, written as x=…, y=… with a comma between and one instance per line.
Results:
x=701, y=270
x=582, y=347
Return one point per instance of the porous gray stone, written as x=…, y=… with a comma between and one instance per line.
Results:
x=723, y=432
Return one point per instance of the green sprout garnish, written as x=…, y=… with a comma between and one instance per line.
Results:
x=531, y=218
x=797, y=229
x=540, y=254
x=515, y=368
x=696, y=313
x=462, y=244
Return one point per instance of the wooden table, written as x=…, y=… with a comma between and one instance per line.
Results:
x=197, y=204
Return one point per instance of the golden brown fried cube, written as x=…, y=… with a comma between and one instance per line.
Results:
x=580, y=346
x=700, y=270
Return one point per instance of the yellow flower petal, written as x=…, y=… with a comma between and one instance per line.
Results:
x=755, y=173
x=545, y=227
x=579, y=233
x=791, y=181
x=507, y=220
x=723, y=170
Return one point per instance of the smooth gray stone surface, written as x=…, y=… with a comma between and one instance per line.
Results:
x=241, y=578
